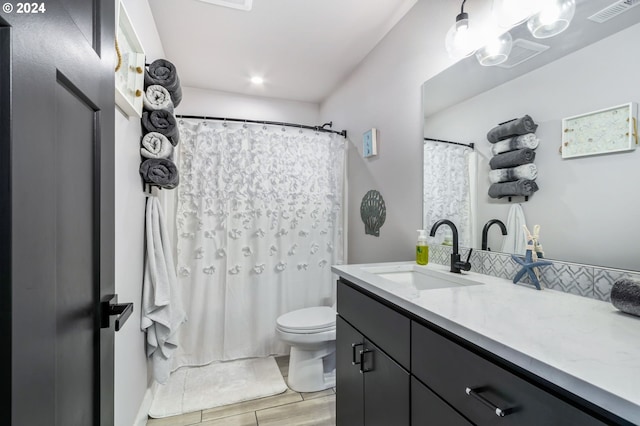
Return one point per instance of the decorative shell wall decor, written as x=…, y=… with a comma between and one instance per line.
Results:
x=373, y=212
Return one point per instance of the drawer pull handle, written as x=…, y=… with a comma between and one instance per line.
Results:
x=499, y=412
x=353, y=353
x=362, y=367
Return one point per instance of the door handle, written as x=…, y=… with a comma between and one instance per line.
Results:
x=363, y=369
x=110, y=307
x=353, y=353
x=475, y=393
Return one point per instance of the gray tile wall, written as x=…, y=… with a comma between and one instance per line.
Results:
x=583, y=280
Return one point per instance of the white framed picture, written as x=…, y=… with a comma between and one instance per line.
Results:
x=369, y=143
x=604, y=131
x=130, y=63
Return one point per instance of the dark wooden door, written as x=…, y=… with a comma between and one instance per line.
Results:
x=386, y=389
x=56, y=172
x=349, y=380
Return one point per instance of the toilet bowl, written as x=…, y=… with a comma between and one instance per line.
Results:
x=311, y=333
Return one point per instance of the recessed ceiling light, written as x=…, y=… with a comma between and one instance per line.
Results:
x=257, y=80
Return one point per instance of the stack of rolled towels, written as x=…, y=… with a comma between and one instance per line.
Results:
x=160, y=134
x=512, y=170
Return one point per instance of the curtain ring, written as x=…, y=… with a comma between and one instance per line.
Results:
x=224, y=123
x=264, y=126
x=245, y=124
x=283, y=129
x=300, y=131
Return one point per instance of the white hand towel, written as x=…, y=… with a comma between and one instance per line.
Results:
x=162, y=309
x=156, y=145
x=515, y=241
x=157, y=97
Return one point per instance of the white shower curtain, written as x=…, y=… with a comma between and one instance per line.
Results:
x=449, y=189
x=259, y=223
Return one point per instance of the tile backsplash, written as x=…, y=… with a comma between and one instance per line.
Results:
x=575, y=278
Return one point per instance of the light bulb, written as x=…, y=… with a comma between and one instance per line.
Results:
x=554, y=17
x=460, y=37
x=257, y=80
x=496, y=51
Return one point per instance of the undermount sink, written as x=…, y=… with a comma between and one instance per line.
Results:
x=420, y=277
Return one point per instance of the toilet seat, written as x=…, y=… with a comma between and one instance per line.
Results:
x=308, y=320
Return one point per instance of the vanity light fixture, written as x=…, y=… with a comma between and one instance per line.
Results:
x=459, y=40
x=553, y=18
x=496, y=51
x=509, y=13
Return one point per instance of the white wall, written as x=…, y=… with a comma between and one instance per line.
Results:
x=385, y=92
x=131, y=379
x=585, y=213
x=231, y=105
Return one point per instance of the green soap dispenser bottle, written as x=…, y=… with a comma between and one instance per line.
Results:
x=422, y=249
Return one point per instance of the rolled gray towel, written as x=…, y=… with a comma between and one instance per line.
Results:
x=512, y=159
x=523, y=141
x=526, y=171
x=625, y=295
x=157, y=97
x=156, y=145
x=164, y=73
x=517, y=127
x=161, y=121
x=522, y=187
x=161, y=172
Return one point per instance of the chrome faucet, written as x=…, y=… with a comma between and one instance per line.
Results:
x=456, y=264
x=485, y=231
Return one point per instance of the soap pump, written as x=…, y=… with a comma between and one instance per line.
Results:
x=422, y=249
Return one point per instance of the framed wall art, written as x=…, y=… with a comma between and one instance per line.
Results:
x=369, y=143
x=605, y=131
x=130, y=64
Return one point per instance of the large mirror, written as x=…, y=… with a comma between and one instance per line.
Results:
x=588, y=208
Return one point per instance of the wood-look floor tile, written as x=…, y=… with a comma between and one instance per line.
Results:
x=249, y=406
x=313, y=412
x=181, y=420
x=246, y=419
x=320, y=394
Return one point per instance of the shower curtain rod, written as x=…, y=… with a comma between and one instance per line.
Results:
x=343, y=133
x=468, y=145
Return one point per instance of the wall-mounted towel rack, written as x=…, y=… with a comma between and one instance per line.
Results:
x=468, y=145
x=526, y=197
x=343, y=133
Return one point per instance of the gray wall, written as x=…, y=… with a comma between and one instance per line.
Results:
x=385, y=92
x=131, y=379
x=587, y=207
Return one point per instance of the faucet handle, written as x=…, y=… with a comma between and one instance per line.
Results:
x=469, y=255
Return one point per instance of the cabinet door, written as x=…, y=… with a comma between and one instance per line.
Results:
x=386, y=389
x=349, y=383
x=428, y=409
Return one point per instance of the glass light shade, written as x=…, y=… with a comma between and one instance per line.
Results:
x=554, y=17
x=459, y=40
x=496, y=51
x=509, y=13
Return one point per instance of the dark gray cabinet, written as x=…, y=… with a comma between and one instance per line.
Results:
x=428, y=409
x=371, y=387
x=394, y=368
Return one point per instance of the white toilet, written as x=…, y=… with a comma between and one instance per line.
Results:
x=311, y=332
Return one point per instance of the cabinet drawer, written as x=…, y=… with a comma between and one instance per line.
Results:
x=449, y=370
x=428, y=409
x=388, y=329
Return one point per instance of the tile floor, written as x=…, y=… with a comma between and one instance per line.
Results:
x=287, y=409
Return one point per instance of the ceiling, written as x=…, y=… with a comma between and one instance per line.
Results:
x=302, y=48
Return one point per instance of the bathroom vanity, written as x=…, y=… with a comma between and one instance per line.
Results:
x=420, y=345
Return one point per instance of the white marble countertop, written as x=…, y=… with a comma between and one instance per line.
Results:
x=583, y=345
